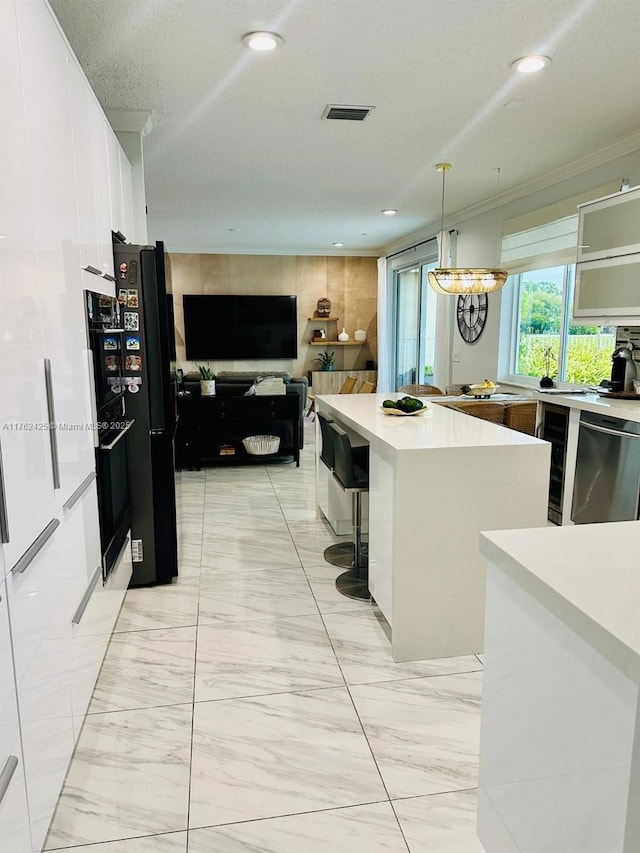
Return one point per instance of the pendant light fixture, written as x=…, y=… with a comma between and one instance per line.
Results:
x=456, y=280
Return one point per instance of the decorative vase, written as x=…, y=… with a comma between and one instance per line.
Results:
x=360, y=335
x=207, y=387
x=343, y=337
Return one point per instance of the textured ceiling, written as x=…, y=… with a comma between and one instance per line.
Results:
x=238, y=141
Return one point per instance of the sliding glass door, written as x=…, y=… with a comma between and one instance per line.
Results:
x=415, y=325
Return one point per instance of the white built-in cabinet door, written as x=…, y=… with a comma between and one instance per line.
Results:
x=126, y=180
x=52, y=185
x=102, y=194
x=82, y=104
x=26, y=451
x=115, y=181
x=14, y=816
x=41, y=599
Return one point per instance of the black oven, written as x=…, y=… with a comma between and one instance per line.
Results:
x=106, y=345
x=112, y=464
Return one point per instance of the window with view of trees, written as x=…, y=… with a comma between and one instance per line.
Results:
x=548, y=343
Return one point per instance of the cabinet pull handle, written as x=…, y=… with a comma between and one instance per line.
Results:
x=82, y=488
x=108, y=276
x=92, y=270
x=4, y=518
x=77, y=616
x=51, y=413
x=34, y=549
x=10, y=767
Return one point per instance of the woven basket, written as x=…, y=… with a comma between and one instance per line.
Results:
x=261, y=445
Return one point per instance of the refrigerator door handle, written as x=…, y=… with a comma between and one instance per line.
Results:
x=51, y=412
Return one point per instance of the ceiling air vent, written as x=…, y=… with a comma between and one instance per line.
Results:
x=341, y=112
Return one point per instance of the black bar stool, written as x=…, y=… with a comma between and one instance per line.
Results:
x=340, y=554
x=351, y=472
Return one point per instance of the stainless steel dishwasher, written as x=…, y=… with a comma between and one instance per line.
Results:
x=607, y=480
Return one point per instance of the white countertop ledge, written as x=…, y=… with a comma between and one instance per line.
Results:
x=587, y=575
x=627, y=409
x=437, y=428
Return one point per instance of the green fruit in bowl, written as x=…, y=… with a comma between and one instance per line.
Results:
x=410, y=404
x=390, y=404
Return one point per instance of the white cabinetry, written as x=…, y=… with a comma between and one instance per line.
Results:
x=608, y=268
x=26, y=452
x=39, y=601
x=56, y=217
x=14, y=816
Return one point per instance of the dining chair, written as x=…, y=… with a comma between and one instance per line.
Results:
x=347, y=387
x=367, y=387
x=420, y=390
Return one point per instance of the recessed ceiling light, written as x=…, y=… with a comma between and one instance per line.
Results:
x=234, y=229
x=389, y=211
x=262, y=40
x=529, y=64
x=337, y=244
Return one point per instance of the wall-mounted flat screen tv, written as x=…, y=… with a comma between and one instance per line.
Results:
x=223, y=326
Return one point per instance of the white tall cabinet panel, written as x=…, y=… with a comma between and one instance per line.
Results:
x=14, y=816
x=126, y=179
x=39, y=604
x=26, y=453
x=115, y=181
x=52, y=184
x=82, y=103
x=100, y=166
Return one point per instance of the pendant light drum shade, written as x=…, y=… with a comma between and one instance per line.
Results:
x=467, y=280
x=457, y=280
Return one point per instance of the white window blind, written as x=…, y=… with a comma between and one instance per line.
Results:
x=546, y=237
x=550, y=245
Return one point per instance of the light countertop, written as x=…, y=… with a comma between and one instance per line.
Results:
x=437, y=428
x=587, y=575
x=627, y=409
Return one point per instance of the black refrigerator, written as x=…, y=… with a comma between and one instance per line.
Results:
x=148, y=366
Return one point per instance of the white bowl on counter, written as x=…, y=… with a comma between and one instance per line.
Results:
x=480, y=391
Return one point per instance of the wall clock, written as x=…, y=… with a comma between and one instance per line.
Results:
x=472, y=315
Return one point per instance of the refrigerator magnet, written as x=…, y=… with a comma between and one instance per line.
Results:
x=131, y=322
x=110, y=343
x=133, y=342
x=133, y=362
x=122, y=296
x=111, y=363
x=123, y=269
x=132, y=298
x=132, y=384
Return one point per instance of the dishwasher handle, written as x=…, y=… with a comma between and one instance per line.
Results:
x=607, y=431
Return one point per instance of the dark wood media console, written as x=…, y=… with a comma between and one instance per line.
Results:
x=209, y=426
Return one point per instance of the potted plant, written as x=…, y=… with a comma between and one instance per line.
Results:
x=547, y=381
x=327, y=360
x=207, y=382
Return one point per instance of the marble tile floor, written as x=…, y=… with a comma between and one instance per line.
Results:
x=251, y=707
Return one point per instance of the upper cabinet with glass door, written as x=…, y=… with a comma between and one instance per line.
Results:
x=609, y=227
x=608, y=269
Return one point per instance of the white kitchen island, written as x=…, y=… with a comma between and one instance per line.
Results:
x=436, y=481
x=560, y=742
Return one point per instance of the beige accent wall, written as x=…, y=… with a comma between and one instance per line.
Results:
x=350, y=283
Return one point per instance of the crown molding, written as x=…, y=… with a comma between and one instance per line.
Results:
x=620, y=148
